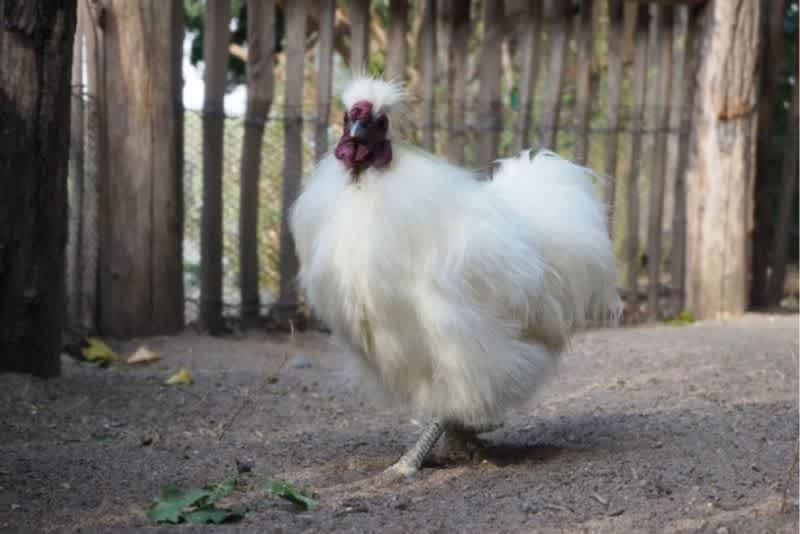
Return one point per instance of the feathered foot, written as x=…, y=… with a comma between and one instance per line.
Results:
x=462, y=442
x=411, y=461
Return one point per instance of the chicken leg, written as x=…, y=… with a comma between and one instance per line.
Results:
x=412, y=460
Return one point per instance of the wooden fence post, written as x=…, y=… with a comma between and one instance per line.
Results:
x=215, y=55
x=665, y=22
x=396, y=53
x=637, y=126
x=488, y=113
x=614, y=98
x=293, y=152
x=324, y=77
x=583, y=98
x=359, y=36
x=428, y=74
x=531, y=57
x=260, y=90
x=559, y=16
x=457, y=80
x=722, y=160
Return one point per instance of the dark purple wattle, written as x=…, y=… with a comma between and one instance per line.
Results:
x=372, y=148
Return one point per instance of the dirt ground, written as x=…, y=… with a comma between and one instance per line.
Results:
x=668, y=429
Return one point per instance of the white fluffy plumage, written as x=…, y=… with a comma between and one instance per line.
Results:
x=453, y=293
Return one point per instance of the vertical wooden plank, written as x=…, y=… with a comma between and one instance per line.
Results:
x=488, y=113
x=428, y=74
x=324, y=76
x=260, y=91
x=457, y=80
x=531, y=57
x=772, y=55
x=215, y=55
x=615, y=74
x=720, y=179
x=293, y=151
x=583, y=89
x=665, y=16
x=678, y=256
x=559, y=22
x=396, y=52
x=75, y=219
x=359, y=35
x=637, y=125
x=788, y=196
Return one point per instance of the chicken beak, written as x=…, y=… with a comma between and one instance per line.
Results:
x=357, y=131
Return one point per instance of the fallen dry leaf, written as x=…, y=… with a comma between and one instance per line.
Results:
x=143, y=355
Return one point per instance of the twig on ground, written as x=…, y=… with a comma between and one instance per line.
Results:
x=789, y=477
x=269, y=379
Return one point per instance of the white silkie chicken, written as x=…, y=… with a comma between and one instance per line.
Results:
x=455, y=294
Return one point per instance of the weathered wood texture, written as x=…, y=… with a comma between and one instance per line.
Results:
x=396, y=51
x=141, y=273
x=634, y=163
x=489, y=109
x=293, y=150
x=774, y=11
x=688, y=84
x=529, y=76
x=722, y=160
x=457, y=80
x=74, y=277
x=260, y=92
x=585, y=40
x=359, y=35
x=215, y=55
x=428, y=74
x=559, y=18
x=36, y=39
x=613, y=100
x=665, y=16
x=324, y=77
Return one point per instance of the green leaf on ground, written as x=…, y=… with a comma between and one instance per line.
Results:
x=684, y=318
x=98, y=352
x=181, y=377
x=195, y=506
x=291, y=493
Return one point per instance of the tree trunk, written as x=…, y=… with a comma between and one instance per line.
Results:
x=457, y=81
x=531, y=56
x=396, y=53
x=584, y=81
x=293, y=152
x=488, y=116
x=359, y=36
x=215, y=54
x=324, y=77
x=762, y=229
x=35, y=61
x=665, y=30
x=141, y=272
x=722, y=160
x=260, y=85
x=428, y=74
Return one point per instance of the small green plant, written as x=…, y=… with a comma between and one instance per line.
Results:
x=195, y=506
x=292, y=493
x=684, y=318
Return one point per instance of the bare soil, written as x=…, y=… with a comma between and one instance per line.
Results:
x=659, y=428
